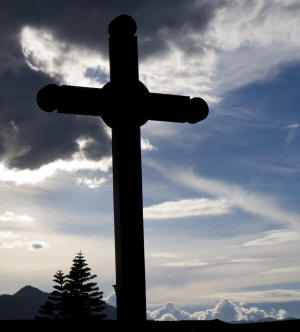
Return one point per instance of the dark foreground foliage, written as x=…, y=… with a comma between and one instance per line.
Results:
x=179, y=326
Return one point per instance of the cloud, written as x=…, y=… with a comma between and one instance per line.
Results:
x=92, y=183
x=13, y=241
x=111, y=299
x=68, y=65
x=245, y=260
x=197, y=263
x=293, y=126
x=163, y=255
x=224, y=310
x=146, y=145
x=273, y=295
x=29, y=137
x=169, y=311
x=43, y=49
x=168, y=317
x=186, y=264
x=273, y=238
x=42, y=138
x=250, y=202
x=4, y=235
x=282, y=270
x=229, y=311
x=252, y=40
x=292, y=132
x=172, y=260
x=187, y=208
x=10, y=240
x=37, y=245
x=241, y=45
x=10, y=217
x=209, y=49
x=77, y=163
x=86, y=24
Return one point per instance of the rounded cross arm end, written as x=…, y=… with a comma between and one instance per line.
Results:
x=198, y=110
x=48, y=97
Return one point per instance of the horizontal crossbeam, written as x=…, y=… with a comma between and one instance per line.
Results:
x=111, y=104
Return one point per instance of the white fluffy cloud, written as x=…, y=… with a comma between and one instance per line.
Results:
x=146, y=145
x=187, y=208
x=229, y=311
x=169, y=312
x=224, y=310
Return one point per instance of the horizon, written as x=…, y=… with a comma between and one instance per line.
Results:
x=221, y=207
x=225, y=310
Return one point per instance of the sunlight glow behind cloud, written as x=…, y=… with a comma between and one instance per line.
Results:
x=233, y=53
x=34, y=176
x=62, y=62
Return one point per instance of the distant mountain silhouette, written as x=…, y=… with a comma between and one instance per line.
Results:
x=25, y=304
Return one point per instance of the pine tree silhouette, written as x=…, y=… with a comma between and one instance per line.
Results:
x=54, y=307
x=84, y=299
x=74, y=297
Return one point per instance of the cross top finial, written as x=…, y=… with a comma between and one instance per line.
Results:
x=123, y=25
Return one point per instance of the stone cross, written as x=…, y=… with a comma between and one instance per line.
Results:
x=125, y=104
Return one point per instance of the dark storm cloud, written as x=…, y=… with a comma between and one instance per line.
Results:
x=86, y=21
x=34, y=137
x=30, y=138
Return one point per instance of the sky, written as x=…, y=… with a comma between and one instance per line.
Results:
x=221, y=211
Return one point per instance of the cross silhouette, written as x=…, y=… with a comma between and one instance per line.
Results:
x=125, y=104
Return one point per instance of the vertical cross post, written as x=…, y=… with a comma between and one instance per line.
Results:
x=127, y=182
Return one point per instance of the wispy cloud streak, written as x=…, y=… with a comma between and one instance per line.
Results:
x=250, y=202
x=274, y=237
x=187, y=208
